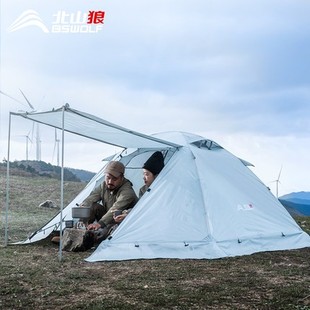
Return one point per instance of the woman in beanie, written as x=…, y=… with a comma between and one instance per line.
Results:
x=151, y=169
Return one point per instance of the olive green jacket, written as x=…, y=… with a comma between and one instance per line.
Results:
x=142, y=190
x=121, y=198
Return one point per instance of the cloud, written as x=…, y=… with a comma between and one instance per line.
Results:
x=236, y=71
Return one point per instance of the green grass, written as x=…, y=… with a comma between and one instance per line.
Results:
x=32, y=277
x=35, y=278
x=25, y=195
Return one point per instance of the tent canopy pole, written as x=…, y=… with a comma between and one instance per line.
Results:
x=7, y=186
x=62, y=182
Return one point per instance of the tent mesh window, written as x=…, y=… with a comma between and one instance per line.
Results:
x=208, y=144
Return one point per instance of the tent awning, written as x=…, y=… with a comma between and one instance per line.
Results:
x=95, y=128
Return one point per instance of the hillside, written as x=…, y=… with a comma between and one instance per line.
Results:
x=297, y=195
x=41, y=168
x=83, y=175
x=297, y=203
x=26, y=194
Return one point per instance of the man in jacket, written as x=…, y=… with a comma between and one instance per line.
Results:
x=115, y=193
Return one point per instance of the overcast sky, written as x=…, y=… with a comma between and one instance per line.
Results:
x=237, y=72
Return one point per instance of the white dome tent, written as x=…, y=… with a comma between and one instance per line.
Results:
x=205, y=204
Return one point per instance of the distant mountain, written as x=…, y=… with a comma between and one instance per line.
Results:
x=298, y=202
x=41, y=168
x=297, y=195
x=83, y=175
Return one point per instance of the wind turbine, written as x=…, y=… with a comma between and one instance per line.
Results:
x=27, y=141
x=5, y=94
x=277, y=181
x=30, y=105
x=16, y=100
x=38, y=141
x=56, y=146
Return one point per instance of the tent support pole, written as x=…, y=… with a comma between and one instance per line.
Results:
x=62, y=182
x=7, y=186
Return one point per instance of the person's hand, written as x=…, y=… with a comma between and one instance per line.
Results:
x=119, y=218
x=95, y=226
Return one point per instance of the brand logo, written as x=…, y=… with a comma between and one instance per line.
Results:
x=63, y=22
x=245, y=207
x=26, y=19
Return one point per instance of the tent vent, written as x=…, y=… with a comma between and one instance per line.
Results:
x=208, y=144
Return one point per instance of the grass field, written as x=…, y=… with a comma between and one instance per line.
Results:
x=32, y=277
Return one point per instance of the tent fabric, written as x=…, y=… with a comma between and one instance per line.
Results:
x=205, y=203
x=133, y=159
x=95, y=128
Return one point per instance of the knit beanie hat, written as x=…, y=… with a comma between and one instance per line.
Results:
x=155, y=163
